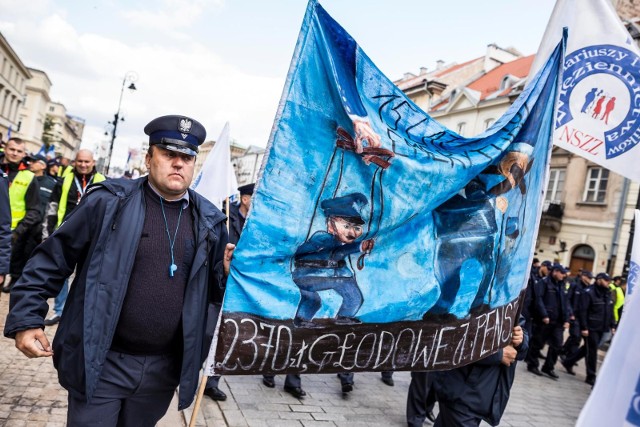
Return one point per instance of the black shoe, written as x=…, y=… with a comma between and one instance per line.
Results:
x=568, y=368
x=388, y=381
x=344, y=320
x=550, y=372
x=215, y=393
x=52, y=320
x=346, y=388
x=269, y=382
x=300, y=323
x=534, y=370
x=431, y=417
x=590, y=380
x=6, y=289
x=296, y=392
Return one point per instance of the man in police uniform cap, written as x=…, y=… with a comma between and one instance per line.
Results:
x=150, y=254
x=238, y=212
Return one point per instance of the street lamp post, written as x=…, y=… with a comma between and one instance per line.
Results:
x=130, y=77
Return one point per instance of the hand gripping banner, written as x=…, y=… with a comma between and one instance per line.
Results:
x=378, y=239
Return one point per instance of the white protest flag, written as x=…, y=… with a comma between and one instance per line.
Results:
x=217, y=180
x=615, y=399
x=598, y=111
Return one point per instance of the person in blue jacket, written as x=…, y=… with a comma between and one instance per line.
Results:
x=480, y=391
x=5, y=227
x=150, y=254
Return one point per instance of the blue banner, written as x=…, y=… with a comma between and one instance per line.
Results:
x=379, y=239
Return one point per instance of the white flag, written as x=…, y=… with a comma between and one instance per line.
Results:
x=217, y=180
x=598, y=111
x=615, y=399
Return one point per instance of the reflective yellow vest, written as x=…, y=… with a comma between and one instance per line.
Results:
x=17, y=194
x=66, y=186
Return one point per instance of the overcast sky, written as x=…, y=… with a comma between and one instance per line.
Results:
x=226, y=60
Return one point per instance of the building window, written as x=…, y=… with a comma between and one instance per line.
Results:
x=595, y=188
x=488, y=123
x=461, y=127
x=556, y=185
x=52, y=109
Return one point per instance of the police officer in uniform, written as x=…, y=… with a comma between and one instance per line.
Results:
x=555, y=314
x=595, y=318
x=24, y=197
x=151, y=255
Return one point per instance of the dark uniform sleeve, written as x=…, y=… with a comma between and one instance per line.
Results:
x=51, y=263
x=540, y=288
x=218, y=280
x=32, y=203
x=5, y=226
x=585, y=301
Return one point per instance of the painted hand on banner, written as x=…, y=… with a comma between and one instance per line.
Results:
x=364, y=133
x=367, y=246
x=508, y=161
x=33, y=343
x=228, y=256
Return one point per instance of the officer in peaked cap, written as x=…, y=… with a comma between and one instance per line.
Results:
x=168, y=245
x=176, y=133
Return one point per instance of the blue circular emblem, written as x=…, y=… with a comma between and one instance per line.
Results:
x=601, y=99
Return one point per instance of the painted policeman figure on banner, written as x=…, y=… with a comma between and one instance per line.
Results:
x=466, y=227
x=322, y=262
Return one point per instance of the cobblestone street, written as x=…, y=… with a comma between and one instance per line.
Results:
x=30, y=396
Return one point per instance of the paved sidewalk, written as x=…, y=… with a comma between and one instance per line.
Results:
x=30, y=396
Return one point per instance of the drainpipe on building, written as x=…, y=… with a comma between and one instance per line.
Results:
x=616, y=231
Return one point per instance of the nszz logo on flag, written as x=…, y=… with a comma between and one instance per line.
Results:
x=599, y=104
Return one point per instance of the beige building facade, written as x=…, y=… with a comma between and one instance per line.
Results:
x=13, y=80
x=34, y=111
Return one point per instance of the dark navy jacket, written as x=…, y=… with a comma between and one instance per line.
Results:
x=553, y=300
x=101, y=238
x=236, y=223
x=596, y=309
x=481, y=388
x=5, y=225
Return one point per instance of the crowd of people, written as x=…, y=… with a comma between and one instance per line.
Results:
x=588, y=307
x=149, y=259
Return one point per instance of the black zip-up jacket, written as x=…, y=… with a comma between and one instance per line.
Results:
x=553, y=301
x=596, y=309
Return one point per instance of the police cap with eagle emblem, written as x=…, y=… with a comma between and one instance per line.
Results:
x=176, y=133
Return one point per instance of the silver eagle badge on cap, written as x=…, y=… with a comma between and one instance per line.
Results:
x=185, y=125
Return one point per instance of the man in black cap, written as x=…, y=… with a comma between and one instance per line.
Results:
x=150, y=254
x=555, y=313
x=595, y=318
x=238, y=212
x=572, y=343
